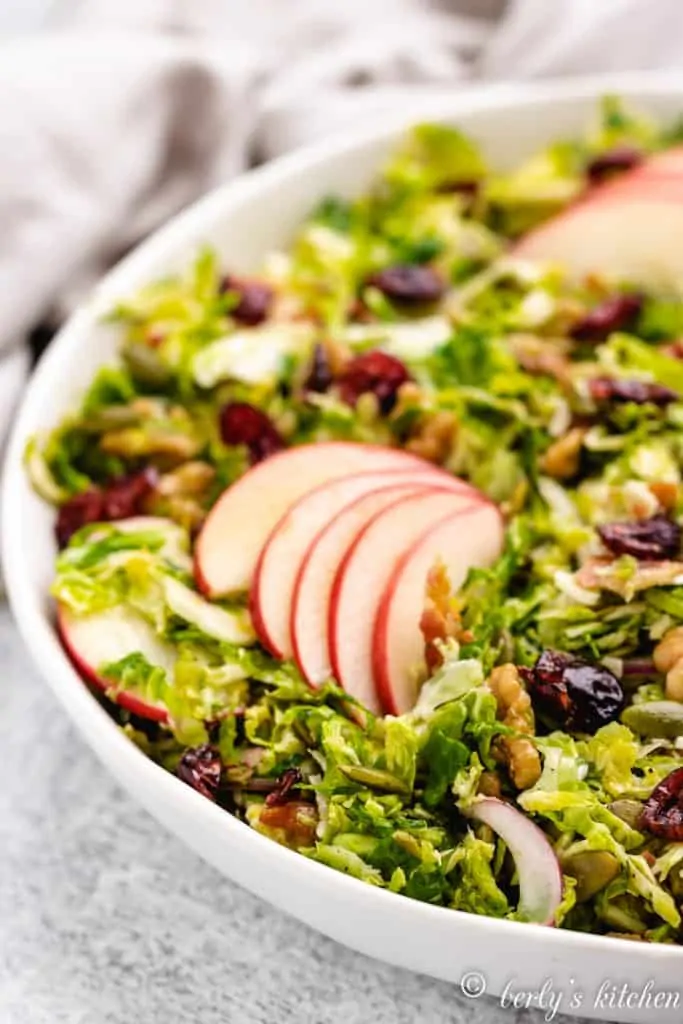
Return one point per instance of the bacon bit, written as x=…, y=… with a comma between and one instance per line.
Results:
x=440, y=620
x=665, y=493
x=296, y=820
x=599, y=574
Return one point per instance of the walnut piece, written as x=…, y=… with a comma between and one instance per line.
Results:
x=665, y=493
x=338, y=355
x=515, y=710
x=561, y=460
x=434, y=437
x=668, y=657
x=440, y=620
x=489, y=785
x=547, y=357
x=189, y=479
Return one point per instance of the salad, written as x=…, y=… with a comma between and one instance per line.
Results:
x=379, y=548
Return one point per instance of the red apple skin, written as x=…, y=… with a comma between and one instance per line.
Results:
x=632, y=238
x=282, y=479
x=353, y=517
x=361, y=579
x=658, y=179
x=136, y=706
x=280, y=560
x=428, y=548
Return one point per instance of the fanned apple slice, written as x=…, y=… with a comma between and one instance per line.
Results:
x=240, y=522
x=669, y=161
x=285, y=549
x=313, y=584
x=362, y=578
x=95, y=640
x=628, y=228
x=634, y=239
x=469, y=538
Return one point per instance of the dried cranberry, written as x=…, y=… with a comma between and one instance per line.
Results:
x=377, y=372
x=122, y=498
x=254, y=299
x=320, y=374
x=610, y=389
x=77, y=512
x=613, y=161
x=408, y=284
x=574, y=693
x=282, y=793
x=200, y=767
x=663, y=812
x=241, y=423
x=653, y=538
x=615, y=314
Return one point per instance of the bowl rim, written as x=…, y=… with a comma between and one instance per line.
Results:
x=39, y=635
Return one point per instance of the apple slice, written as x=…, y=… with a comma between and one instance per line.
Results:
x=634, y=239
x=469, y=538
x=285, y=549
x=655, y=188
x=628, y=228
x=669, y=161
x=240, y=522
x=315, y=578
x=92, y=641
x=362, y=578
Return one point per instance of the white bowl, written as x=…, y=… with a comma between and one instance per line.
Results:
x=243, y=220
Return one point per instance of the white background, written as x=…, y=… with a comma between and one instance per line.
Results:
x=22, y=15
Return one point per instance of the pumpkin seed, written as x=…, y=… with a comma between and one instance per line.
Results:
x=656, y=718
x=593, y=870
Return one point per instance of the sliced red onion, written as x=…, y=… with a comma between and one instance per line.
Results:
x=538, y=870
x=639, y=667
